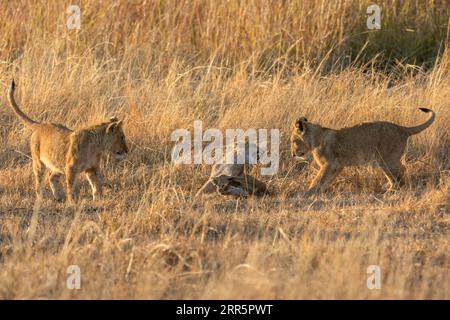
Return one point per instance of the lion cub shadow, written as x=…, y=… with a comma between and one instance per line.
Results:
x=84, y=203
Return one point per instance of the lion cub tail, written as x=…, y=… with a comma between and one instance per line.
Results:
x=22, y=116
x=423, y=126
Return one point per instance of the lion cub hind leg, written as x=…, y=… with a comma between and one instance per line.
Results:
x=395, y=173
x=94, y=178
x=71, y=183
x=39, y=171
x=55, y=186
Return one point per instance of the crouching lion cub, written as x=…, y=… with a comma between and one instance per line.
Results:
x=66, y=152
x=381, y=142
x=231, y=179
x=242, y=185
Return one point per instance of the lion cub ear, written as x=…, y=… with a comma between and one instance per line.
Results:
x=300, y=124
x=113, y=126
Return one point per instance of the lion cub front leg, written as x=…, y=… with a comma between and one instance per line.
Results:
x=94, y=178
x=325, y=176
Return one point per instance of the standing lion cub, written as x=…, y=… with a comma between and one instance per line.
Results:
x=381, y=142
x=64, y=151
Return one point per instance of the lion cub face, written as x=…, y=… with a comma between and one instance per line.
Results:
x=300, y=146
x=118, y=146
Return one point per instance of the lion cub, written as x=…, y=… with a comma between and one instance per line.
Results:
x=382, y=142
x=231, y=179
x=63, y=151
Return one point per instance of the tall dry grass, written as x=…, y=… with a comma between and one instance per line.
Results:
x=164, y=64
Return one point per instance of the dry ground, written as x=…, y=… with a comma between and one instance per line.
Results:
x=148, y=239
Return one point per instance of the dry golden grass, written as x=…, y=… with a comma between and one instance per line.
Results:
x=164, y=64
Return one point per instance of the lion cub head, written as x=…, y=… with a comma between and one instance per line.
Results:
x=300, y=139
x=117, y=145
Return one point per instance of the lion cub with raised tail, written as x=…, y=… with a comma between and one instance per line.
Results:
x=62, y=151
x=382, y=142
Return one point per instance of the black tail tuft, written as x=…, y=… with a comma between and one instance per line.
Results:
x=425, y=110
x=13, y=85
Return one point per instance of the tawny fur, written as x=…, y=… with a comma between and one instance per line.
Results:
x=380, y=142
x=62, y=151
